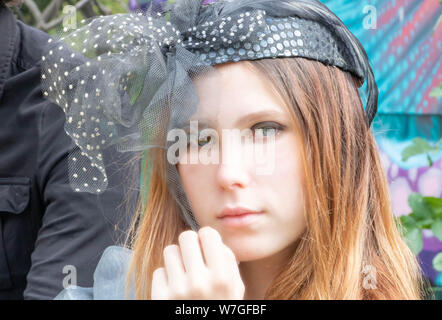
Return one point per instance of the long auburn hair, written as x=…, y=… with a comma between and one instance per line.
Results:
x=352, y=247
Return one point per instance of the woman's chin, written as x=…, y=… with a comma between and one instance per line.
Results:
x=244, y=252
x=247, y=256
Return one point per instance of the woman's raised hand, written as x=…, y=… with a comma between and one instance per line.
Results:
x=200, y=267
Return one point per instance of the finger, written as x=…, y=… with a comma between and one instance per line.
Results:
x=213, y=248
x=191, y=253
x=239, y=286
x=231, y=264
x=159, y=285
x=231, y=255
x=174, y=269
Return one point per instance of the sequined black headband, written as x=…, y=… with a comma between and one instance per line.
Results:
x=271, y=29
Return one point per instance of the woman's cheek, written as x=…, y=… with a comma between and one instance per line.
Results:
x=288, y=181
x=193, y=182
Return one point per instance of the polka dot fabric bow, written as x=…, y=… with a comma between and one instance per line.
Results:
x=114, y=76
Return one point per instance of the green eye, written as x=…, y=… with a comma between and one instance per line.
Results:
x=268, y=128
x=267, y=131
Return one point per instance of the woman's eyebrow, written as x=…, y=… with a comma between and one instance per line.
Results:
x=259, y=115
x=246, y=119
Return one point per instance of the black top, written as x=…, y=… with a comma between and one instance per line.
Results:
x=50, y=236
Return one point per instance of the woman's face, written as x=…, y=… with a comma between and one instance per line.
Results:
x=269, y=183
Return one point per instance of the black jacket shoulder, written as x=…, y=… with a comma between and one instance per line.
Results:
x=48, y=233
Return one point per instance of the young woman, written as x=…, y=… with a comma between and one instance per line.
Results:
x=324, y=227
x=307, y=216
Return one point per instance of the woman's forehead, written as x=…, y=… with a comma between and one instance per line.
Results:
x=236, y=90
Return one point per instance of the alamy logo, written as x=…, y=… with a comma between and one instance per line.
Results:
x=71, y=278
x=370, y=21
x=369, y=281
x=237, y=147
x=70, y=18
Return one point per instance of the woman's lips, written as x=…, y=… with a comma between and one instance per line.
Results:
x=240, y=220
x=238, y=217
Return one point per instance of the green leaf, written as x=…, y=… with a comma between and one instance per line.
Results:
x=437, y=262
x=422, y=143
x=435, y=205
x=408, y=221
x=420, y=207
x=436, y=227
x=419, y=146
x=409, y=152
x=413, y=238
x=436, y=92
x=430, y=162
x=425, y=224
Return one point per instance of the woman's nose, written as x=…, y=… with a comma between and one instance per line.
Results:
x=231, y=176
x=233, y=169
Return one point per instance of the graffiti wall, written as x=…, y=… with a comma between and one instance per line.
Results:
x=403, y=41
